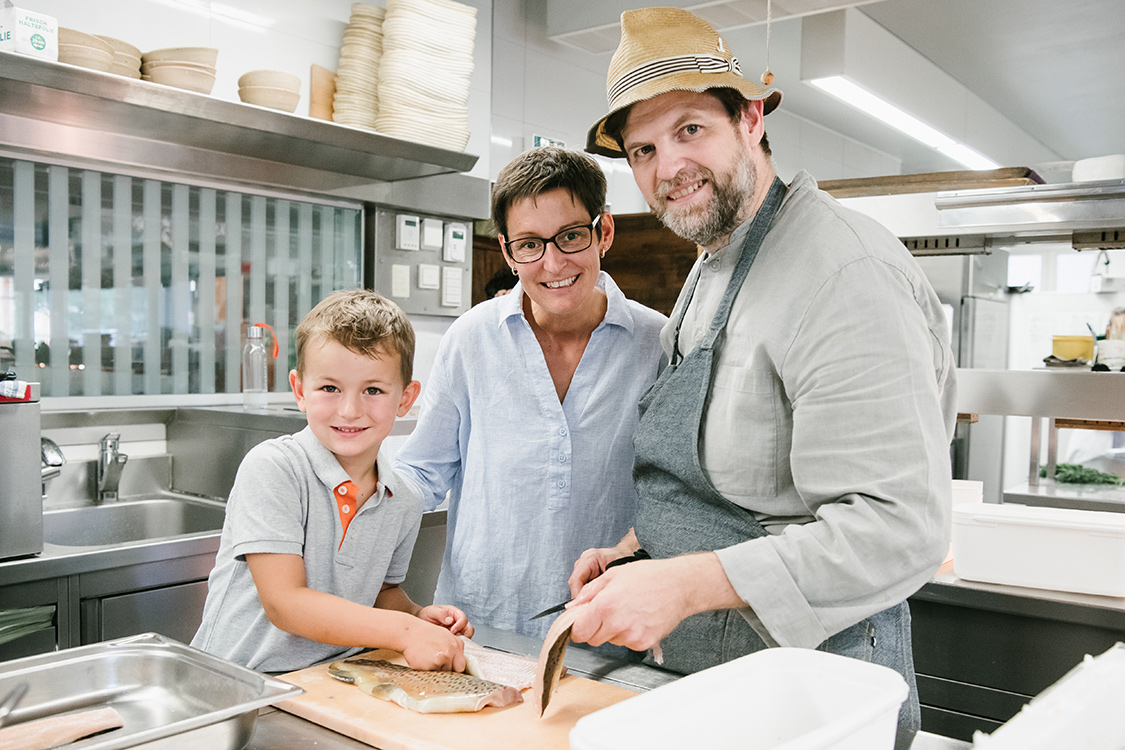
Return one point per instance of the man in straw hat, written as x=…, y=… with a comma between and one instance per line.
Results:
x=802, y=432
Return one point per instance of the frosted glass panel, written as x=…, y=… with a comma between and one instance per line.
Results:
x=118, y=285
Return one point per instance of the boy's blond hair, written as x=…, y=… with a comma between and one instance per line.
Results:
x=363, y=321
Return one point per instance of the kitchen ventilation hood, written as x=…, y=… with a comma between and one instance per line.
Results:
x=1087, y=215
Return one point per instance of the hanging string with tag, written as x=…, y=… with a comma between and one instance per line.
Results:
x=767, y=77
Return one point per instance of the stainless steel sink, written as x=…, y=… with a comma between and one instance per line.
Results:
x=132, y=520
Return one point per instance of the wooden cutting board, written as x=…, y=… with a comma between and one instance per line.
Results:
x=346, y=709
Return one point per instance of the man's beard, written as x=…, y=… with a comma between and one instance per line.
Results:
x=720, y=216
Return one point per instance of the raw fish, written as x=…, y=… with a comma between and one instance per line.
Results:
x=423, y=691
x=59, y=730
x=496, y=666
x=550, y=666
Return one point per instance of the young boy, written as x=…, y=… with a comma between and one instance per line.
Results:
x=318, y=526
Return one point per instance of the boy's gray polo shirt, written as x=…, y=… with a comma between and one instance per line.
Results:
x=283, y=502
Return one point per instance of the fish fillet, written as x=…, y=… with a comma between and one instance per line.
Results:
x=550, y=666
x=59, y=730
x=496, y=666
x=423, y=691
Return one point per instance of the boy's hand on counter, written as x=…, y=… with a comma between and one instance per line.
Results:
x=448, y=617
x=429, y=646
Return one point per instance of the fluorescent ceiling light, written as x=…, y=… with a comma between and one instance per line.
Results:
x=846, y=54
x=850, y=93
x=967, y=156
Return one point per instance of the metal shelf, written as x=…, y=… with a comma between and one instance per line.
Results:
x=64, y=110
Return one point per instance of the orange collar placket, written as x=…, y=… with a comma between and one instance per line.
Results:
x=347, y=506
x=346, y=493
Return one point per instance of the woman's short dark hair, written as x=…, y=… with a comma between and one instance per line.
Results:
x=732, y=100
x=540, y=170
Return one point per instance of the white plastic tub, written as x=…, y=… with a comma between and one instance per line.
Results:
x=964, y=491
x=780, y=699
x=1082, y=710
x=1046, y=548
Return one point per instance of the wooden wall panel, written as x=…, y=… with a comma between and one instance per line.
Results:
x=647, y=261
x=487, y=260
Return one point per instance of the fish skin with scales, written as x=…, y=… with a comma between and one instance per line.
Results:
x=421, y=690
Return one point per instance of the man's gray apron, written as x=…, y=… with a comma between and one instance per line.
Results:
x=679, y=511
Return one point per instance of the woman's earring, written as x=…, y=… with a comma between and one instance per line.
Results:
x=515, y=272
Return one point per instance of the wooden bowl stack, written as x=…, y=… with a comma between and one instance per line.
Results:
x=84, y=50
x=190, y=68
x=126, y=58
x=274, y=89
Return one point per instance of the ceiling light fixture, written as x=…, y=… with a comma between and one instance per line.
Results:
x=851, y=93
x=850, y=56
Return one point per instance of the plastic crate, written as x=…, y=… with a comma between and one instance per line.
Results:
x=1063, y=549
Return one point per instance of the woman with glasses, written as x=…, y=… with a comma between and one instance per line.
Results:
x=527, y=417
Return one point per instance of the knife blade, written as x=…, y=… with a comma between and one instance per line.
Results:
x=640, y=554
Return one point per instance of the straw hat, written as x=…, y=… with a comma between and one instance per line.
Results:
x=668, y=49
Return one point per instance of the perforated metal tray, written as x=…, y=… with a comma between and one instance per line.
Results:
x=171, y=696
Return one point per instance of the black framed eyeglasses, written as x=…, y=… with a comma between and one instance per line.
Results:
x=570, y=240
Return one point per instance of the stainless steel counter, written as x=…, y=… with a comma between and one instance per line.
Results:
x=57, y=561
x=277, y=729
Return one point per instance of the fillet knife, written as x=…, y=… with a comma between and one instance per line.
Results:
x=638, y=555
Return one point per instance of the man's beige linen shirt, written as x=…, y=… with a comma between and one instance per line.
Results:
x=831, y=410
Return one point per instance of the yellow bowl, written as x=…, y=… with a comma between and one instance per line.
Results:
x=1073, y=347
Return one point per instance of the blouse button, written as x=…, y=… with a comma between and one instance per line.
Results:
x=562, y=458
x=342, y=490
x=562, y=431
x=346, y=509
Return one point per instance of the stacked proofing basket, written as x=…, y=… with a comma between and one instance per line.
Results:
x=355, y=100
x=424, y=72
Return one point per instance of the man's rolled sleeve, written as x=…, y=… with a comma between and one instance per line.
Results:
x=779, y=613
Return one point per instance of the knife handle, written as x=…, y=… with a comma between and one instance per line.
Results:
x=640, y=554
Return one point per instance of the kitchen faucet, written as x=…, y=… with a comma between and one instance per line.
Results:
x=51, y=459
x=110, y=463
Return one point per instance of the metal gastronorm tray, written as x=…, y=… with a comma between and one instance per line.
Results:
x=170, y=695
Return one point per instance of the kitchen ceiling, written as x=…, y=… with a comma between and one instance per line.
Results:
x=1056, y=69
